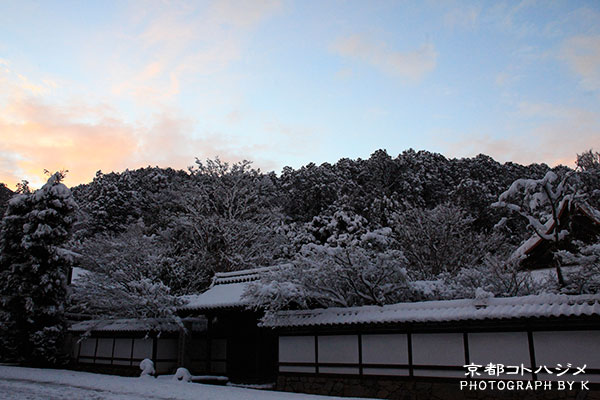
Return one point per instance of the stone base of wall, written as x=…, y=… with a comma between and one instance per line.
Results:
x=399, y=389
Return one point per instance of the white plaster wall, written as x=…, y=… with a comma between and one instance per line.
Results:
x=297, y=349
x=385, y=349
x=508, y=348
x=338, y=349
x=438, y=349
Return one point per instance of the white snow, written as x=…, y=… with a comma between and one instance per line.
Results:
x=182, y=375
x=219, y=296
x=51, y=384
x=545, y=305
x=147, y=367
x=77, y=272
x=226, y=290
x=131, y=325
x=547, y=228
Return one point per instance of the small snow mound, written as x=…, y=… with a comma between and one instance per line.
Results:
x=182, y=375
x=147, y=367
x=482, y=294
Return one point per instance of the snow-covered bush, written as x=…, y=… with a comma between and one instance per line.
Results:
x=147, y=367
x=182, y=375
x=495, y=276
x=584, y=274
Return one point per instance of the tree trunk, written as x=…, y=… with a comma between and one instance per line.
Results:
x=559, y=275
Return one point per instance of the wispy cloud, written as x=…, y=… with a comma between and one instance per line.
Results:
x=146, y=60
x=582, y=54
x=462, y=17
x=509, y=17
x=563, y=133
x=410, y=65
x=35, y=136
x=164, y=47
x=39, y=136
x=295, y=138
x=12, y=82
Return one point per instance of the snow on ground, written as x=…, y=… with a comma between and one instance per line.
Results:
x=18, y=383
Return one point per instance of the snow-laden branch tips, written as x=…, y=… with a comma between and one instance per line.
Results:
x=542, y=203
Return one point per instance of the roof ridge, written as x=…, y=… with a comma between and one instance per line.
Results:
x=430, y=305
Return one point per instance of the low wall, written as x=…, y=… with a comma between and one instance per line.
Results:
x=425, y=363
x=120, y=354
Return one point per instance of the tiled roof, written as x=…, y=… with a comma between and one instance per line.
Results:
x=135, y=325
x=225, y=292
x=218, y=296
x=530, y=244
x=246, y=275
x=539, y=306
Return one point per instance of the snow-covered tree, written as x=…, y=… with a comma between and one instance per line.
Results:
x=33, y=272
x=438, y=240
x=540, y=202
x=364, y=272
x=588, y=173
x=584, y=274
x=232, y=215
x=309, y=190
x=111, y=202
x=126, y=276
x=337, y=228
x=5, y=195
x=493, y=275
x=588, y=160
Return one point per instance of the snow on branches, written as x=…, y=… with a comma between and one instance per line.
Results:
x=33, y=272
x=364, y=271
x=540, y=201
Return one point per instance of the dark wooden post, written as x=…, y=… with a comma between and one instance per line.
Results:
x=183, y=348
x=154, y=352
x=209, y=343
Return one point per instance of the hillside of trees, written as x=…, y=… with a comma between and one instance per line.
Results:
x=371, y=231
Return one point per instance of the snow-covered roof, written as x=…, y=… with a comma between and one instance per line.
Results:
x=538, y=306
x=135, y=325
x=225, y=291
x=535, y=239
x=590, y=212
x=77, y=274
x=531, y=243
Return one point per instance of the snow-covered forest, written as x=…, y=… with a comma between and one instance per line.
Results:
x=377, y=231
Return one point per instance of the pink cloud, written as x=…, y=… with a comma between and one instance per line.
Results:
x=41, y=137
x=164, y=47
x=582, y=54
x=565, y=133
x=84, y=139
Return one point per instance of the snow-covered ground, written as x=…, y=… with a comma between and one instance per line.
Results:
x=17, y=383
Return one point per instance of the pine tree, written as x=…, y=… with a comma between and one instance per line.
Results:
x=33, y=272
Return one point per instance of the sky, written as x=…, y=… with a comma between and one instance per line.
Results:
x=101, y=85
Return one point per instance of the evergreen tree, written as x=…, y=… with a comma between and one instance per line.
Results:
x=33, y=272
x=5, y=195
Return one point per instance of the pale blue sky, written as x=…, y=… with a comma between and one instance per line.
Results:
x=114, y=85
